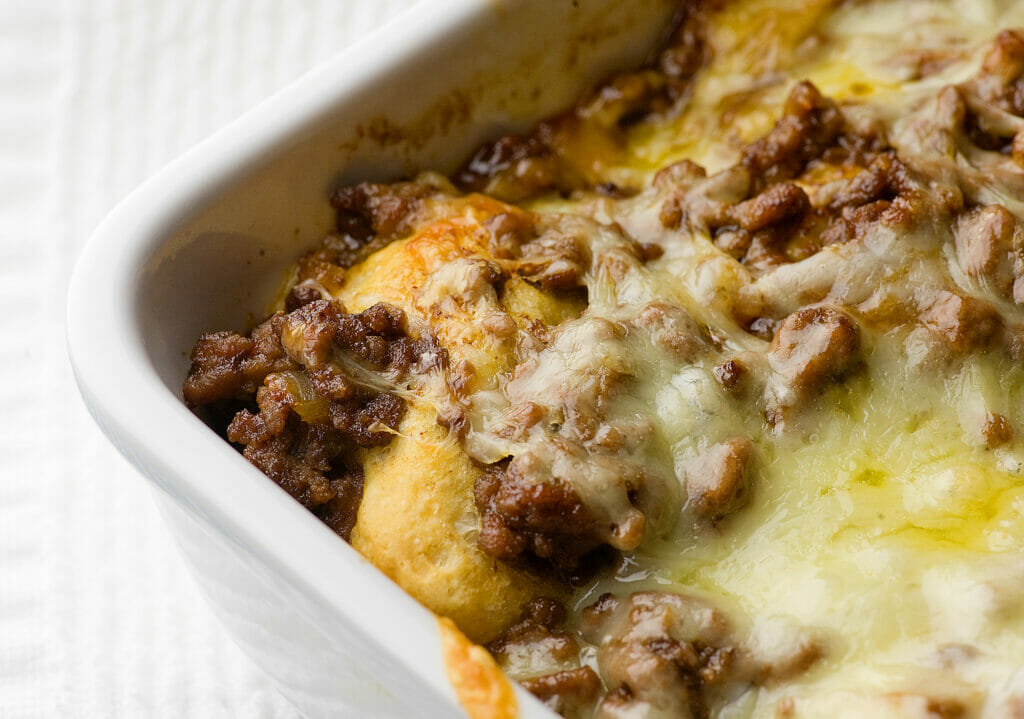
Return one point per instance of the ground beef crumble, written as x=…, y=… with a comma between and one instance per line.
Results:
x=572, y=689
x=546, y=520
x=760, y=215
x=659, y=653
x=310, y=415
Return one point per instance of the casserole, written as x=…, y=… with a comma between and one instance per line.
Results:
x=817, y=307
x=201, y=246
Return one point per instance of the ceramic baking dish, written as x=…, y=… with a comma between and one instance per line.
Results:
x=203, y=245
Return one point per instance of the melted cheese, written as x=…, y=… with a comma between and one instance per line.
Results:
x=878, y=520
x=881, y=522
x=880, y=526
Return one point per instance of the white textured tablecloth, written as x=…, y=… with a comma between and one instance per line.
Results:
x=98, y=617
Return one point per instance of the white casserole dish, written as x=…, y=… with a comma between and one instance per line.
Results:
x=203, y=245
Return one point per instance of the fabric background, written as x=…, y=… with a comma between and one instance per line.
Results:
x=98, y=617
